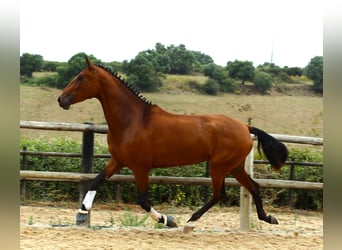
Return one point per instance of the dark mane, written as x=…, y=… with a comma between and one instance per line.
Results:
x=127, y=85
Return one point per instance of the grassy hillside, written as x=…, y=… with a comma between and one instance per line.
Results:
x=274, y=113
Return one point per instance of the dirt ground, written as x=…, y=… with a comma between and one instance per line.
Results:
x=49, y=227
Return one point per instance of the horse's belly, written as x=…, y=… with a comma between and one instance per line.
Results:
x=179, y=155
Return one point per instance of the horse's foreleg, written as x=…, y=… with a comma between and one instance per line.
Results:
x=167, y=220
x=141, y=180
x=111, y=168
x=87, y=203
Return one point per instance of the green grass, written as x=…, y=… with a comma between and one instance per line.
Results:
x=131, y=219
x=30, y=221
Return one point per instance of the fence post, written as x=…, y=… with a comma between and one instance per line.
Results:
x=86, y=164
x=291, y=178
x=245, y=197
x=206, y=189
x=23, y=183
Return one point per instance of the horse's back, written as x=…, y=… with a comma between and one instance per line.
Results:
x=190, y=139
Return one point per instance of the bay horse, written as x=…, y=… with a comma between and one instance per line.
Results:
x=142, y=136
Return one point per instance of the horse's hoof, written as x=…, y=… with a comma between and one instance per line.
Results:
x=81, y=219
x=170, y=221
x=273, y=220
x=189, y=227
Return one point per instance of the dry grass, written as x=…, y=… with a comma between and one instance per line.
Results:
x=275, y=113
x=43, y=74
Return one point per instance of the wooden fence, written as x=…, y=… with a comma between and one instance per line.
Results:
x=88, y=156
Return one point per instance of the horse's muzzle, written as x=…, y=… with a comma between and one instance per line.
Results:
x=64, y=102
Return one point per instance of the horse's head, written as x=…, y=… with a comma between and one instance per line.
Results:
x=82, y=87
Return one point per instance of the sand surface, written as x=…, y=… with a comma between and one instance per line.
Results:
x=46, y=227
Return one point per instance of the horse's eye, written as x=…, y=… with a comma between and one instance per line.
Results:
x=80, y=78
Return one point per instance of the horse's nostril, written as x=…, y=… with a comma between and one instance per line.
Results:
x=64, y=102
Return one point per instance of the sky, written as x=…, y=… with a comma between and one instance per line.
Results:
x=287, y=33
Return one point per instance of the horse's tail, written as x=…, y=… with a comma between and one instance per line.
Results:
x=274, y=150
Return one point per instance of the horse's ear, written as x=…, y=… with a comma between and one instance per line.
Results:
x=89, y=63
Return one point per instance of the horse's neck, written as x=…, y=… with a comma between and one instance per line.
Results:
x=120, y=106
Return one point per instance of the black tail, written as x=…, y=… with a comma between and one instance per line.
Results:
x=274, y=150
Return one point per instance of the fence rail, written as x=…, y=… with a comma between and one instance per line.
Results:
x=87, y=157
x=78, y=155
x=103, y=129
x=76, y=177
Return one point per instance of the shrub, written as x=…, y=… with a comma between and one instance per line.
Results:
x=283, y=77
x=48, y=81
x=263, y=81
x=314, y=71
x=296, y=198
x=227, y=85
x=211, y=87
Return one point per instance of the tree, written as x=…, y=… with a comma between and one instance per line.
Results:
x=201, y=60
x=30, y=63
x=270, y=68
x=142, y=74
x=220, y=76
x=181, y=60
x=146, y=69
x=50, y=66
x=263, y=81
x=314, y=71
x=114, y=66
x=161, y=59
x=75, y=65
x=243, y=70
x=214, y=71
x=293, y=71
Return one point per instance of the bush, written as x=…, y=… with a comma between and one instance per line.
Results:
x=48, y=81
x=296, y=198
x=145, y=82
x=52, y=191
x=211, y=87
x=283, y=77
x=304, y=199
x=142, y=74
x=263, y=81
x=227, y=85
x=314, y=71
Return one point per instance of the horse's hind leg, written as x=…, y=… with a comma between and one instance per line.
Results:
x=111, y=168
x=253, y=187
x=213, y=201
x=218, y=194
